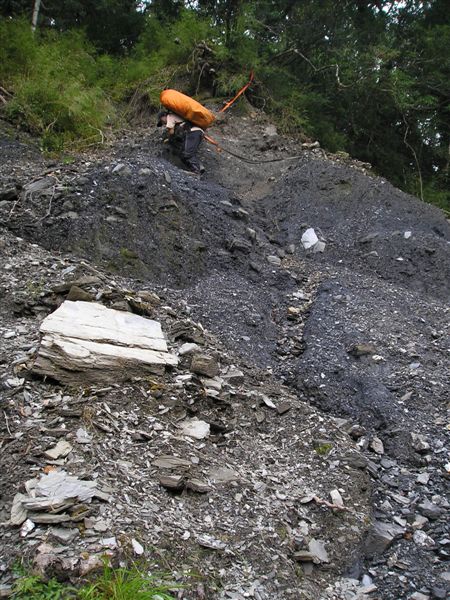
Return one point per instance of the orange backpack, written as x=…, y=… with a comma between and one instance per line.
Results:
x=187, y=108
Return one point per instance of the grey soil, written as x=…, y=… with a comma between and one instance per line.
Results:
x=357, y=335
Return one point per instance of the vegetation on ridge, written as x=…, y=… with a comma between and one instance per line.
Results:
x=372, y=78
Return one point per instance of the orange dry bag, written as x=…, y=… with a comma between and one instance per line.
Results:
x=187, y=108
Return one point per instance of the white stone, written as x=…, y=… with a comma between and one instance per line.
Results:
x=60, y=485
x=317, y=549
x=27, y=528
x=14, y=382
x=309, y=238
x=110, y=543
x=85, y=341
x=377, y=445
x=422, y=539
x=83, y=436
x=213, y=383
x=336, y=498
x=137, y=547
x=423, y=478
x=319, y=247
x=196, y=429
x=188, y=348
x=419, y=521
x=274, y=260
x=61, y=450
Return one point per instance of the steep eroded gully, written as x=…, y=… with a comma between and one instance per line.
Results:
x=360, y=330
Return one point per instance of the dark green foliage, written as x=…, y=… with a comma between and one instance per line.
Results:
x=33, y=587
x=372, y=78
x=111, y=25
x=53, y=84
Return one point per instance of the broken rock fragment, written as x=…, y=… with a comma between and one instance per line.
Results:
x=137, y=547
x=174, y=483
x=311, y=241
x=87, y=342
x=208, y=541
x=381, y=537
x=234, y=376
x=61, y=450
x=196, y=429
x=377, y=445
x=318, y=552
x=202, y=364
x=171, y=462
x=50, y=496
x=419, y=443
x=197, y=485
x=188, y=348
x=77, y=294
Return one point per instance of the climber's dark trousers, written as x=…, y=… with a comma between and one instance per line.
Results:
x=189, y=150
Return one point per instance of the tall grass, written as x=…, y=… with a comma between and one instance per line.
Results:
x=111, y=584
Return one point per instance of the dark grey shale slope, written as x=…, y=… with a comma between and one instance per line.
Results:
x=208, y=242
x=364, y=220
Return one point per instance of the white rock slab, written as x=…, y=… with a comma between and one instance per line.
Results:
x=96, y=323
x=86, y=342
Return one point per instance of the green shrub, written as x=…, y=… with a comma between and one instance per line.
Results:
x=111, y=584
x=33, y=587
x=18, y=50
x=53, y=85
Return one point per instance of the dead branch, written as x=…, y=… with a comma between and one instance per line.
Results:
x=408, y=145
x=297, y=52
x=7, y=423
x=5, y=92
x=5, y=96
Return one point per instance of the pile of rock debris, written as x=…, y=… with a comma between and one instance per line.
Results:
x=207, y=464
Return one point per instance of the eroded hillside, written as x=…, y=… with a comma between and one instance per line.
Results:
x=325, y=470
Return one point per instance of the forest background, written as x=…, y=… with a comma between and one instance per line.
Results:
x=370, y=78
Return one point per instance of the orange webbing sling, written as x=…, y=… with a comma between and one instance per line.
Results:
x=241, y=91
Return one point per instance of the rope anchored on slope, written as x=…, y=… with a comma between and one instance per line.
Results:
x=244, y=158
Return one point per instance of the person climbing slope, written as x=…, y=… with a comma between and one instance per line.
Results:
x=184, y=137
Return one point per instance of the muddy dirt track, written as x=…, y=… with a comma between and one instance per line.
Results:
x=358, y=331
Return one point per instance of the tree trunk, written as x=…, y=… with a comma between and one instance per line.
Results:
x=34, y=20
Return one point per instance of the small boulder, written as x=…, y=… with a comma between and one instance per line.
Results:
x=381, y=537
x=419, y=443
x=202, y=364
x=76, y=294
